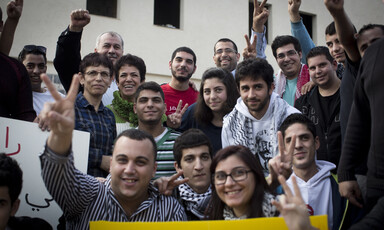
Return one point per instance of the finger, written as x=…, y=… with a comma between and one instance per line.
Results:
x=19, y=2
x=179, y=106
x=283, y=183
x=181, y=181
x=175, y=176
x=255, y=6
x=291, y=148
x=354, y=201
x=254, y=42
x=52, y=89
x=247, y=41
x=263, y=4
x=278, y=205
x=184, y=109
x=74, y=89
x=296, y=189
x=281, y=144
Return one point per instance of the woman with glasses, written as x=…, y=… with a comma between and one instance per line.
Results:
x=239, y=189
x=217, y=97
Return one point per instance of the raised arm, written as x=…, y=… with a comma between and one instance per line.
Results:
x=260, y=17
x=298, y=29
x=14, y=10
x=67, y=58
x=344, y=28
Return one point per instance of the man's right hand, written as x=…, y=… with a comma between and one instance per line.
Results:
x=351, y=191
x=293, y=10
x=79, y=19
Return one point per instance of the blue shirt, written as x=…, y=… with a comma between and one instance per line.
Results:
x=102, y=128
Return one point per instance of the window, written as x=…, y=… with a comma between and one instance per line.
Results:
x=251, y=6
x=167, y=13
x=106, y=8
x=307, y=20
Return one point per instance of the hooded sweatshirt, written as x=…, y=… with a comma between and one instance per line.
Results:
x=260, y=136
x=317, y=191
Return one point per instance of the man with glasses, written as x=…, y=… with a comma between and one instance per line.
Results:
x=35, y=61
x=258, y=112
x=91, y=114
x=293, y=76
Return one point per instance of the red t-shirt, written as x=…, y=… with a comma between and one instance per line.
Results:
x=172, y=97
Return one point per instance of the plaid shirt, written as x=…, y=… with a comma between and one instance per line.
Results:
x=102, y=127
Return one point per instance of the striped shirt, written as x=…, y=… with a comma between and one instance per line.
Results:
x=165, y=160
x=102, y=128
x=83, y=198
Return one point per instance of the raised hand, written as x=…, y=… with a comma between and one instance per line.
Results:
x=79, y=19
x=60, y=115
x=14, y=9
x=334, y=6
x=260, y=16
x=250, y=50
x=174, y=119
x=293, y=10
x=166, y=185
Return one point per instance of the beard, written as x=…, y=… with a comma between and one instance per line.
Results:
x=180, y=78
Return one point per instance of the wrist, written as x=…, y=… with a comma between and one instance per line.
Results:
x=75, y=28
x=258, y=28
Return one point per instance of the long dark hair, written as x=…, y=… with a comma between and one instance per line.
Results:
x=203, y=114
x=216, y=205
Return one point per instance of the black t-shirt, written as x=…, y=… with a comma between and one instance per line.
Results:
x=327, y=104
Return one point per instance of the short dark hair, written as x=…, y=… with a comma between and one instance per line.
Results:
x=184, y=49
x=150, y=85
x=225, y=40
x=96, y=59
x=216, y=205
x=297, y=118
x=370, y=27
x=190, y=139
x=131, y=60
x=11, y=176
x=254, y=68
x=138, y=135
x=33, y=49
x=284, y=40
x=320, y=50
x=203, y=114
x=330, y=29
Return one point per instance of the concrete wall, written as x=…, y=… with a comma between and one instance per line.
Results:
x=202, y=24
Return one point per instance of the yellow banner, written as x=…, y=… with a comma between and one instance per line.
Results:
x=271, y=223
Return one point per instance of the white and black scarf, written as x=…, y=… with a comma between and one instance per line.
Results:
x=195, y=202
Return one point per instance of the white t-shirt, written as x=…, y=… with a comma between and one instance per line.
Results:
x=40, y=98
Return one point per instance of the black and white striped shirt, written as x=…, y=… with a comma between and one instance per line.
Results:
x=84, y=199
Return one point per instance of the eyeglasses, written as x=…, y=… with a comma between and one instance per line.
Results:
x=94, y=73
x=30, y=48
x=226, y=50
x=290, y=53
x=237, y=174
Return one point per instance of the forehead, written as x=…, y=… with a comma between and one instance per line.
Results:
x=230, y=163
x=111, y=39
x=213, y=82
x=317, y=60
x=97, y=68
x=184, y=55
x=34, y=58
x=149, y=93
x=133, y=148
x=4, y=193
x=249, y=81
x=223, y=45
x=285, y=48
x=297, y=129
x=195, y=151
x=128, y=68
x=331, y=38
x=371, y=34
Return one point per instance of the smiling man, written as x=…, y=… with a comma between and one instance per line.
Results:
x=149, y=106
x=322, y=103
x=127, y=194
x=258, y=112
x=182, y=66
x=91, y=114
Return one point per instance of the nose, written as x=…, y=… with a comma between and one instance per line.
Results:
x=229, y=181
x=111, y=50
x=129, y=168
x=298, y=143
x=36, y=70
x=98, y=77
x=198, y=165
x=251, y=93
x=336, y=47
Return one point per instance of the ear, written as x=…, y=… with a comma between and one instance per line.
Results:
x=317, y=143
x=170, y=64
x=237, y=57
x=300, y=54
x=95, y=50
x=82, y=79
x=334, y=65
x=110, y=163
x=194, y=69
x=177, y=167
x=154, y=169
x=165, y=108
x=134, y=108
x=15, y=207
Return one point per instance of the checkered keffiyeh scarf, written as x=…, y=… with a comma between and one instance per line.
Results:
x=302, y=79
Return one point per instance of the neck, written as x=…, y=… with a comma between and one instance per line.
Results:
x=127, y=98
x=182, y=86
x=241, y=211
x=131, y=205
x=38, y=89
x=95, y=101
x=260, y=114
x=153, y=129
x=307, y=173
x=217, y=119
x=331, y=88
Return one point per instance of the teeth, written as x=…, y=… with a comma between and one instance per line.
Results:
x=128, y=87
x=231, y=193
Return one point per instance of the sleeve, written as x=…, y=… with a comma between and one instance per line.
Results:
x=24, y=105
x=67, y=57
x=69, y=187
x=299, y=31
x=178, y=212
x=261, y=43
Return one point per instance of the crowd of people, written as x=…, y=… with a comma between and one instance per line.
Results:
x=249, y=143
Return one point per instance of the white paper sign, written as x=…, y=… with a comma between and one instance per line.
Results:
x=24, y=141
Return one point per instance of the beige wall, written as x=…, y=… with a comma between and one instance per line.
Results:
x=202, y=24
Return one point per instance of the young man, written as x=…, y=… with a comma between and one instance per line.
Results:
x=67, y=58
x=258, y=113
x=322, y=103
x=182, y=66
x=318, y=186
x=293, y=75
x=149, y=106
x=127, y=194
x=193, y=156
x=91, y=114
x=11, y=182
x=35, y=61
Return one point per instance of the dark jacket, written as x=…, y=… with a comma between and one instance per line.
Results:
x=329, y=132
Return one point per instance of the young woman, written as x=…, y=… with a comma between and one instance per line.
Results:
x=217, y=97
x=130, y=73
x=239, y=189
